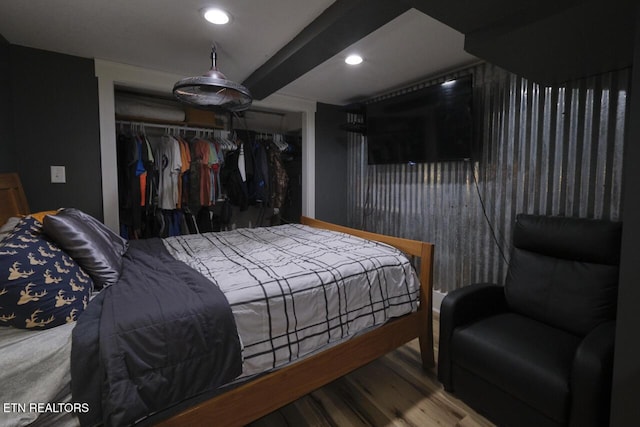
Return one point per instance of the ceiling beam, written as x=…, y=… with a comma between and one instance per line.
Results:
x=523, y=37
x=589, y=38
x=338, y=27
x=468, y=16
x=547, y=41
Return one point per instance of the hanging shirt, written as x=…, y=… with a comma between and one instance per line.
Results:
x=278, y=177
x=213, y=165
x=166, y=152
x=220, y=155
x=151, y=179
x=185, y=160
x=201, y=156
x=241, y=165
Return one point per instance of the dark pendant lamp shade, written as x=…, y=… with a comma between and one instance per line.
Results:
x=212, y=91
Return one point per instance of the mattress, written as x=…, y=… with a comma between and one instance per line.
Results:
x=34, y=369
x=293, y=291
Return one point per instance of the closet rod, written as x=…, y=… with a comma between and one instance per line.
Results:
x=273, y=113
x=161, y=126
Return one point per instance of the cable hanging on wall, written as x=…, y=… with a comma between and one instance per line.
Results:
x=484, y=212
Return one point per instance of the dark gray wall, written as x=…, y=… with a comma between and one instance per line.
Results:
x=625, y=410
x=8, y=158
x=54, y=107
x=331, y=164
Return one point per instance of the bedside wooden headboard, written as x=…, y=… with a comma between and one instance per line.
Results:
x=13, y=201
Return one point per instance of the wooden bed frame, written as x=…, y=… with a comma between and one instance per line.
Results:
x=267, y=393
x=13, y=202
x=271, y=391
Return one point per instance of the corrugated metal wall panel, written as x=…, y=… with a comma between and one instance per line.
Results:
x=545, y=150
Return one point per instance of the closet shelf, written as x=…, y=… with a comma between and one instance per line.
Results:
x=185, y=123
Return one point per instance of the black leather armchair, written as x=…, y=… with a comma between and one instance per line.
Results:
x=538, y=351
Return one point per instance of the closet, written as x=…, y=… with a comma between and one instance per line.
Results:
x=185, y=171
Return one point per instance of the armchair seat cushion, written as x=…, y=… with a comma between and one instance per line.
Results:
x=526, y=359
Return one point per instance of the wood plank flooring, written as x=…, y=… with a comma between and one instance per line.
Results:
x=391, y=391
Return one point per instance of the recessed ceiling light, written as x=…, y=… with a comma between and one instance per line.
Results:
x=353, y=59
x=216, y=16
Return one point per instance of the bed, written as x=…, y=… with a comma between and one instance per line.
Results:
x=266, y=386
x=13, y=201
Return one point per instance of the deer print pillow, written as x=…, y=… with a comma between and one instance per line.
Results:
x=40, y=285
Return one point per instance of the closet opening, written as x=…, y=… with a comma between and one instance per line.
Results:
x=184, y=171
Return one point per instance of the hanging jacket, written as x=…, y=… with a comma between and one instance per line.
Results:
x=235, y=186
x=279, y=180
x=128, y=185
x=260, y=188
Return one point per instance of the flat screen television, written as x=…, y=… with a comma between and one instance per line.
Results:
x=431, y=124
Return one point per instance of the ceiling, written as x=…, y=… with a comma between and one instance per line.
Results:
x=290, y=47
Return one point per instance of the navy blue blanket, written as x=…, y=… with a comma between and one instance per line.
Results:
x=161, y=335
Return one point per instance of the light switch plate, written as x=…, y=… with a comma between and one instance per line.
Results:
x=58, y=175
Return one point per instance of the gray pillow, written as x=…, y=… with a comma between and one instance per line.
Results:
x=96, y=248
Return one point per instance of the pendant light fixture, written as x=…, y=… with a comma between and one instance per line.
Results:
x=212, y=91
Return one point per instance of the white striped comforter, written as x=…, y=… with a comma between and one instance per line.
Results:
x=294, y=289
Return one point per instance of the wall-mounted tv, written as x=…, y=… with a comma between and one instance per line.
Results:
x=431, y=124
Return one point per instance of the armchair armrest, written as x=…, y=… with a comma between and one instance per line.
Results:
x=472, y=302
x=591, y=378
x=462, y=306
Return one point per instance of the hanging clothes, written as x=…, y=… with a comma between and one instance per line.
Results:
x=261, y=185
x=213, y=172
x=200, y=155
x=128, y=185
x=279, y=180
x=218, y=168
x=185, y=167
x=166, y=151
x=234, y=181
x=170, y=185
